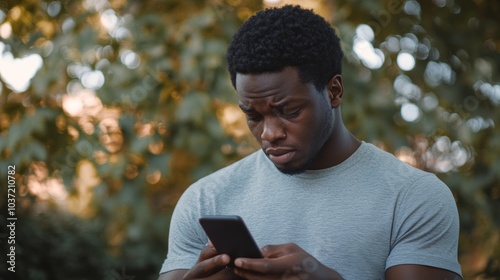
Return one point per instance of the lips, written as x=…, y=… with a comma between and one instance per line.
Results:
x=280, y=156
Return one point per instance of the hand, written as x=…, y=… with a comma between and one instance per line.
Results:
x=287, y=261
x=210, y=265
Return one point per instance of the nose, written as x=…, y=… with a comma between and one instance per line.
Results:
x=272, y=130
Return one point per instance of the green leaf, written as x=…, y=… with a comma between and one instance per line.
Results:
x=193, y=108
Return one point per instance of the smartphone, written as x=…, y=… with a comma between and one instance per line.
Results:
x=230, y=235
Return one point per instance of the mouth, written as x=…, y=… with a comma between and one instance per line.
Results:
x=280, y=156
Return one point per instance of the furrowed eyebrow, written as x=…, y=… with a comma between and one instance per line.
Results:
x=245, y=108
x=293, y=103
x=283, y=104
x=279, y=106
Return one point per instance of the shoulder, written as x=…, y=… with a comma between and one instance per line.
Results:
x=409, y=187
x=384, y=161
x=390, y=171
x=241, y=167
x=236, y=171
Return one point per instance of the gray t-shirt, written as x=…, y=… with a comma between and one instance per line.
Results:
x=359, y=217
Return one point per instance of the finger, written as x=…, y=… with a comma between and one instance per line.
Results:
x=207, y=253
x=283, y=275
x=262, y=266
x=251, y=275
x=208, y=267
x=275, y=251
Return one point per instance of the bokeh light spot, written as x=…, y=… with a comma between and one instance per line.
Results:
x=410, y=112
x=5, y=30
x=365, y=32
x=412, y=7
x=369, y=56
x=130, y=59
x=17, y=72
x=93, y=79
x=405, y=61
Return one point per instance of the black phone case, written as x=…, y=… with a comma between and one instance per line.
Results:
x=229, y=235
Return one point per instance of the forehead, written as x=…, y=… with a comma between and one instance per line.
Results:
x=277, y=84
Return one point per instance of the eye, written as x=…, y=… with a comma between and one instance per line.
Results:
x=290, y=114
x=253, y=117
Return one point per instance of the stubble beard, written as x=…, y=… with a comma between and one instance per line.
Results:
x=324, y=133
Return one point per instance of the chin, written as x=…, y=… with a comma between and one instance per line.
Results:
x=290, y=170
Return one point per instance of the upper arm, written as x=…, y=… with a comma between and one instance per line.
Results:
x=186, y=238
x=417, y=272
x=425, y=229
x=173, y=275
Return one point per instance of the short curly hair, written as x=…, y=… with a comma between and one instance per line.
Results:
x=276, y=38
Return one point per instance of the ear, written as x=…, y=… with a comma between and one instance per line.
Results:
x=335, y=90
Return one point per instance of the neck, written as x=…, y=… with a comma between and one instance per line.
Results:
x=341, y=145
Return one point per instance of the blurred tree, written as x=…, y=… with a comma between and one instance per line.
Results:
x=125, y=110
x=110, y=109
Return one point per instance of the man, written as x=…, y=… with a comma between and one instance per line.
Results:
x=326, y=205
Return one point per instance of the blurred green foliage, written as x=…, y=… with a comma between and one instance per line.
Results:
x=130, y=106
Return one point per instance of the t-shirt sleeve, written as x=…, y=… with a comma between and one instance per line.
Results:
x=426, y=226
x=186, y=238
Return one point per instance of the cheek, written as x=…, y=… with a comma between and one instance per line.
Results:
x=255, y=130
x=308, y=129
x=301, y=132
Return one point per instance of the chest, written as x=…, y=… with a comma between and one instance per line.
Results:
x=330, y=224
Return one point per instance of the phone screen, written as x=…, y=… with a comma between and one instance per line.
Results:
x=229, y=235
